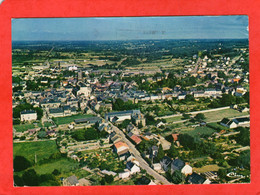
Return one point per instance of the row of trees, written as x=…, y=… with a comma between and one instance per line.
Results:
x=31, y=178
x=88, y=134
x=120, y=105
x=228, y=99
x=198, y=146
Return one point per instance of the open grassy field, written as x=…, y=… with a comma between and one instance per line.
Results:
x=26, y=126
x=62, y=164
x=207, y=168
x=201, y=131
x=69, y=119
x=47, y=124
x=214, y=115
x=220, y=114
x=23, y=127
x=174, y=119
x=42, y=149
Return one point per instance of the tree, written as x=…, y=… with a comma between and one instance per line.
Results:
x=150, y=120
x=227, y=100
x=55, y=172
x=160, y=153
x=221, y=74
x=125, y=123
x=172, y=152
x=21, y=163
x=42, y=134
x=222, y=173
x=244, y=136
x=189, y=98
x=79, y=135
x=109, y=178
x=178, y=177
x=140, y=125
x=186, y=116
x=18, y=181
x=30, y=178
x=200, y=117
x=91, y=134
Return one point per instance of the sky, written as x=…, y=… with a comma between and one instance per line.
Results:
x=130, y=28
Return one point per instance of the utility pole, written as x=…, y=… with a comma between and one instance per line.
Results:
x=35, y=158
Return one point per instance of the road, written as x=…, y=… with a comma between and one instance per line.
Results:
x=143, y=164
x=195, y=70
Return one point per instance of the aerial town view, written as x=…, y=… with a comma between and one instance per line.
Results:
x=130, y=101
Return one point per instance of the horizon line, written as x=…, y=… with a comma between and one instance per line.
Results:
x=142, y=39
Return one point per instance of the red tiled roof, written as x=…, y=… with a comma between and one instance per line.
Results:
x=120, y=144
x=136, y=139
x=175, y=137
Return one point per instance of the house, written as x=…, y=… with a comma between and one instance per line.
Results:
x=187, y=169
x=84, y=182
x=122, y=150
x=160, y=124
x=242, y=121
x=195, y=178
x=133, y=168
x=105, y=172
x=124, y=175
x=136, y=115
x=133, y=160
x=228, y=123
x=181, y=96
x=198, y=94
x=114, y=138
x=71, y=181
x=82, y=88
x=88, y=120
x=157, y=166
x=144, y=181
x=153, y=152
x=244, y=109
x=136, y=139
x=165, y=163
x=56, y=112
x=165, y=144
x=105, y=127
x=28, y=115
x=177, y=164
x=131, y=128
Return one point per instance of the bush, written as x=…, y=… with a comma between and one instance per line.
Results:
x=30, y=178
x=55, y=172
x=109, y=178
x=21, y=163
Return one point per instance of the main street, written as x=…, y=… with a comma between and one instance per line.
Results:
x=143, y=164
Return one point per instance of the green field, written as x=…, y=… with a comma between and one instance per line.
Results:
x=207, y=168
x=23, y=127
x=69, y=119
x=62, y=164
x=47, y=124
x=213, y=115
x=201, y=131
x=174, y=119
x=220, y=114
x=42, y=149
x=26, y=126
x=217, y=126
